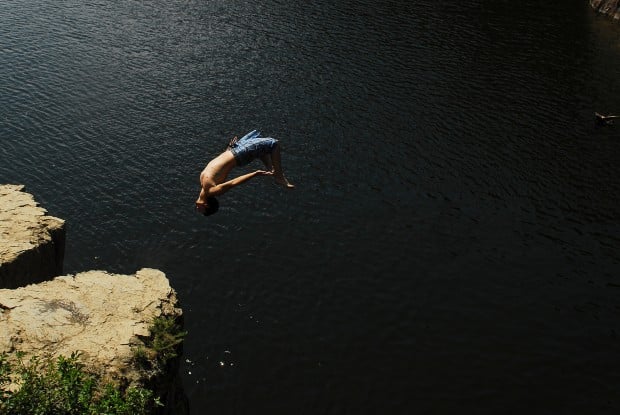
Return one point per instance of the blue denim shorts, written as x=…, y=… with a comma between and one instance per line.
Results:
x=252, y=146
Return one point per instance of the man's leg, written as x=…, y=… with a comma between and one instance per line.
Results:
x=277, y=168
x=266, y=159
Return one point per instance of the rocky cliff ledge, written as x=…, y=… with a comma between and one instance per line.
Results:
x=608, y=7
x=104, y=317
x=32, y=244
x=98, y=314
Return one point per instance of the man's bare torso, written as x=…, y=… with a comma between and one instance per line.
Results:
x=217, y=170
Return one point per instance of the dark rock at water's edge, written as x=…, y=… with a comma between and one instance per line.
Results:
x=607, y=7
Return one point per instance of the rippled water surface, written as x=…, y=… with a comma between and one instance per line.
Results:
x=453, y=243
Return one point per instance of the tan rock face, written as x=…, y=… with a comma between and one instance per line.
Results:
x=96, y=313
x=32, y=243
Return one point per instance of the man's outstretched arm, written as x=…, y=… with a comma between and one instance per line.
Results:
x=226, y=186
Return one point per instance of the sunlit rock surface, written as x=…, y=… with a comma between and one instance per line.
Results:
x=32, y=244
x=98, y=314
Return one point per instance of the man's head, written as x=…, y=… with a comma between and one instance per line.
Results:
x=209, y=207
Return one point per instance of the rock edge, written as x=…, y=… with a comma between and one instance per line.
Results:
x=32, y=244
x=100, y=315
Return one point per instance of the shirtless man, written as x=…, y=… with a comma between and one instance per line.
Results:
x=239, y=153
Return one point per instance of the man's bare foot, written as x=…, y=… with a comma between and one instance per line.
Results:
x=232, y=142
x=281, y=180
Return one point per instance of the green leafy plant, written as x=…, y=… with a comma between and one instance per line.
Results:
x=5, y=377
x=165, y=338
x=62, y=386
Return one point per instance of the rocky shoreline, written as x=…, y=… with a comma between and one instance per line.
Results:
x=608, y=7
x=102, y=316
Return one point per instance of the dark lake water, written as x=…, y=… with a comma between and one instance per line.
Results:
x=453, y=243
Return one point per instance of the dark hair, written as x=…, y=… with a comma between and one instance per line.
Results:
x=213, y=206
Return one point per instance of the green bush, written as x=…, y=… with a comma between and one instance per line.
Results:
x=161, y=345
x=166, y=336
x=63, y=387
